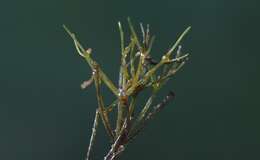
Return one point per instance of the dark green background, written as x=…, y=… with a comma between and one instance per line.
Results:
x=45, y=116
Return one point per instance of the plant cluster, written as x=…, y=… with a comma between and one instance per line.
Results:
x=138, y=71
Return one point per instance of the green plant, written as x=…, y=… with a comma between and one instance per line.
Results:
x=138, y=71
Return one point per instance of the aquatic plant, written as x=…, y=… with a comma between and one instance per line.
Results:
x=138, y=71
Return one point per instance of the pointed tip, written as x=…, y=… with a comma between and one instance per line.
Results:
x=67, y=30
x=119, y=24
x=64, y=26
x=188, y=28
x=129, y=20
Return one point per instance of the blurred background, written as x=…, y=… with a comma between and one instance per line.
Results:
x=44, y=114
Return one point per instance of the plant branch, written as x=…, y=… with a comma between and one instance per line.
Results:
x=101, y=108
x=178, y=41
x=86, y=54
x=93, y=135
x=159, y=107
